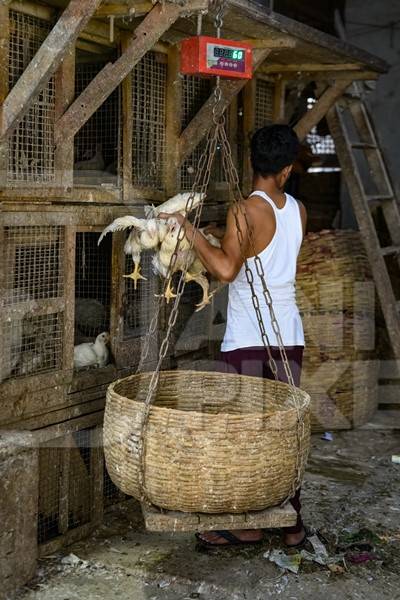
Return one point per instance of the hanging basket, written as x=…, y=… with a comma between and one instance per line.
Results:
x=214, y=442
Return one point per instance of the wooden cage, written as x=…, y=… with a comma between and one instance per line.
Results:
x=96, y=123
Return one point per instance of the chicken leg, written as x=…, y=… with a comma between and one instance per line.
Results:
x=169, y=292
x=135, y=275
x=205, y=286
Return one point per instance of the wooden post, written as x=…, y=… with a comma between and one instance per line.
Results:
x=203, y=121
x=117, y=293
x=4, y=75
x=69, y=299
x=233, y=129
x=173, y=121
x=127, y=131
x=249, y=119
x=112, y=75
x=67, y=444
x=65, y=93
x=46, y=61
x=97, y=472
x=320, y=109
x=278, y=113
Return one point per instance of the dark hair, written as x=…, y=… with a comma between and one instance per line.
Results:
x=273, y=148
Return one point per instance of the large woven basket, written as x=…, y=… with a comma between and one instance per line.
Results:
x=214, y=442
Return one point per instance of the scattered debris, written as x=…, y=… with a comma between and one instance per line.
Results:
x=71, y=559
x=327, y=436
x=357, y=558
x=396, y=459
x=284, y=561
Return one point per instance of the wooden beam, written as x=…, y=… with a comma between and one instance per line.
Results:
x=46, y=61
x=112, y=75
x=331, y=76
x=4, y=78
x=249, y=121
x=320, y=109
x=278, y=111
x=308, y=67
x=281, y=42
x=127, y=130
x=65, y=93
x=173, y=121
x=203, y=121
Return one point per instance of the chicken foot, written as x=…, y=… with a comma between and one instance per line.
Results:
x=135, y=275
x=205, y=286
x=169, y=292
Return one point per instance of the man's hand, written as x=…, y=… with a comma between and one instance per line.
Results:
x=181, y=220
x=214, y=230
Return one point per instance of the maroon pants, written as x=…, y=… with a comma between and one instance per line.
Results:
x=253, y=361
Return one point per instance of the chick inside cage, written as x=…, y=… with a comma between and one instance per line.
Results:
x=93, y=264
x=33, y=311
x=98, y=145
x=31, y=145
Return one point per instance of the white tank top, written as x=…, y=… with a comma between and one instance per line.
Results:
x=279, y=260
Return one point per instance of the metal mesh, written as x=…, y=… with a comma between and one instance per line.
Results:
x=320, y=144
x=67, y=459
x=140, y=304
x=49, y=493
x=111, y=494
x=148, y=105
x=92, y=286
x=192, y=330
x=32, y=345
x=80, y=493
x=31, y=146
x=264, y=103
x=98, y=144
x=195, y=91
x=32, y=263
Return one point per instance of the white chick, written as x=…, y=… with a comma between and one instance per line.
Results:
x=91, y=354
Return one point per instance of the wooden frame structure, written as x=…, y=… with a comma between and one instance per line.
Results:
x=118, y=36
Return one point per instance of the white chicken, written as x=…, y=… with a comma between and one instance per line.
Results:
x=92, y=354
x=146, y=234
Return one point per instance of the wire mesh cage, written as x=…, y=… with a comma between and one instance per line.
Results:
x=139, y=305
x=32, y=263
x=263, y=103
x=149, y=80
x=93, y=264
x=31, y=145
x=98, y=145
x=195, y=92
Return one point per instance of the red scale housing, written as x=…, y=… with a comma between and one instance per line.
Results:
x=209, y=56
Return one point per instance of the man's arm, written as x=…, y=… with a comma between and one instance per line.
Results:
x=223, y=263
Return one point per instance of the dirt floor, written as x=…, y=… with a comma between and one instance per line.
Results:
x=351, y=499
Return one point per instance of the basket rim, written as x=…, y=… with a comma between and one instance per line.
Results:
x=305, y=404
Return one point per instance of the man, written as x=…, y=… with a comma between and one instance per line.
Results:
x=278, y=222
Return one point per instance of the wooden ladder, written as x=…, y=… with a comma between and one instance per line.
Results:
x=349, y=120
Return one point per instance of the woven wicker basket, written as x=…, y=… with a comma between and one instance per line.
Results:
x=343, y=394
x=214, y=442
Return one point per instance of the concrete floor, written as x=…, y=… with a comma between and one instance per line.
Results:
x=351, y=485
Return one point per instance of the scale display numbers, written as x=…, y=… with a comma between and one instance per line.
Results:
x=225, y=58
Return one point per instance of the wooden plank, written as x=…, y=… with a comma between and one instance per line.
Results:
x=333, y=76
x=112, y=75
x=173, y=121
x=249, y=119
x=320, y=109
x=308, y=67
x=65, y=93
x=45, y=62
x=72, y=536
x=4, y=78
x=63, y=499
x=127, y=130
x=97, y=474
x=280, y=42
x=271, y=518
x=203, y=121
x=117, y=295
x=68, y=267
